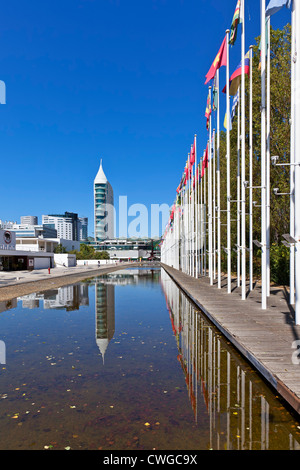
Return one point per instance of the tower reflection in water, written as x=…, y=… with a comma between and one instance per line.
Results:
x=105, y=300
x=105, y=315
x=243, y=412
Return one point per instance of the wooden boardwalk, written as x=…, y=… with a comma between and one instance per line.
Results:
x=266, y=338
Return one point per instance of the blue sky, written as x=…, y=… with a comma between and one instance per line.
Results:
x=121, y=80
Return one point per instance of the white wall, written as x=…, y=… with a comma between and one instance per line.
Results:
x=94, y=262
x=64, y=260
x=69, y=245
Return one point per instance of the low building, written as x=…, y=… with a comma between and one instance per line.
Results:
x=12, y=259
x=46, y=245
x=128, y=249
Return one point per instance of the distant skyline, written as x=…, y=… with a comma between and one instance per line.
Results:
x=117, y=80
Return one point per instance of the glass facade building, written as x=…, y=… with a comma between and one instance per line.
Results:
x=103, y=207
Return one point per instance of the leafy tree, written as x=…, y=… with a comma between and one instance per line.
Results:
x=280, y=92
x=60, y=249
x=88, y=252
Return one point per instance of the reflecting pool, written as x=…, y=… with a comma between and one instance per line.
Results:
x=126, y=362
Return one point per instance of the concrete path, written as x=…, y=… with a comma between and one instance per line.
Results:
x=268, y=339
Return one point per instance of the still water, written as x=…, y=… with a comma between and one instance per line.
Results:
x=126, y=362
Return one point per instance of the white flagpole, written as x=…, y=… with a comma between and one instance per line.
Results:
x=196, y=210
x=251, y=173
x=214, y=202
x=192, y=219
x=268, y=159
x=292, y=167
x=263, y=159
x=218, y=182
x=210, y=225
x=296, y=32
x=189, y=217
x=228, y=171
x=238, y=203
x=205, y=224
x=202, y=222
x=243, y=157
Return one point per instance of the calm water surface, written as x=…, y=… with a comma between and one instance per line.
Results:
x=125, y=362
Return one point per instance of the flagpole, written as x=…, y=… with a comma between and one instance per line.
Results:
x=196, y=207
x=251, y=172
x=202, y=221
x=214, y=202
x=228, y=170
x=243, y=156
x=292, y=167
x=192, y=217
x=268, y=158
x=210, y=240
x=296, y=8
x=204, y=225
x=263, y=159
x=189, y=217
x=218, y=182
x=238, y=185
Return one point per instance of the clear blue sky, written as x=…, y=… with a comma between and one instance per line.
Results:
x=121, y=80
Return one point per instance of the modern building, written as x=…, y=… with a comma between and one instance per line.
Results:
x=29, y=220
x=67, y=225
x=83, y=233
x=103, y=207
x=34, y=231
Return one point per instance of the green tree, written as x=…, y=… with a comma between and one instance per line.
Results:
x=60, y=249
x=88, y=252
x=280, y=92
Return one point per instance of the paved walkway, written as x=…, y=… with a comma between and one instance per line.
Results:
x=264, y=337
x=8, y=278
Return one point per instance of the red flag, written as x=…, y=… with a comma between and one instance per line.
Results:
x=205, y=161
x=193, y=154
x=221, y=59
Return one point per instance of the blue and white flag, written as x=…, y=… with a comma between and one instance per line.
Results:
x=276, y=5
x=234, y=104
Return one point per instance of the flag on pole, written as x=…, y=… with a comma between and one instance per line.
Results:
x=220, y=60
x=193, y=153
x=233, y=109
x=215, y=96
x=267, y=42
x=235, y=79
x=225, y=122
x=235, y=22
x=234, y=104
x=275, y=5
x=208, y=111
x=205, y=161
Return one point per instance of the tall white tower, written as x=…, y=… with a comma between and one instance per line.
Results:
x=103, y=207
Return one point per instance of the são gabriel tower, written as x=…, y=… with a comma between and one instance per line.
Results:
x=103, y=207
